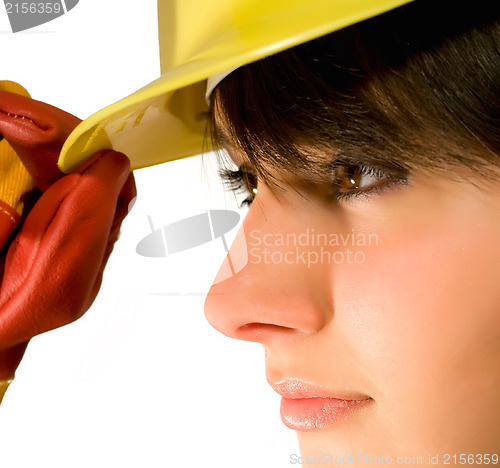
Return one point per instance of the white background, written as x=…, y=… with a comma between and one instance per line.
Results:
x=141, y=379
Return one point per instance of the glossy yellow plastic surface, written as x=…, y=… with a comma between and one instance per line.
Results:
x=4, y=385
x=166, y=119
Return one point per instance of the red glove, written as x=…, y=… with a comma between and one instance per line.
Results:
x=36, y=131
x=54, y=264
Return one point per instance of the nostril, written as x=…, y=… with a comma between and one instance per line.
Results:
x=256, y=331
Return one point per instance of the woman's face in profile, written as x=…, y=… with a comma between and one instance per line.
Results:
x=378, y=312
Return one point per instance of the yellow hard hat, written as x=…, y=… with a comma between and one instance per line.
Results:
x=166, y=120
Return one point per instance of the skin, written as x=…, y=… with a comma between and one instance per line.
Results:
x=415, y=326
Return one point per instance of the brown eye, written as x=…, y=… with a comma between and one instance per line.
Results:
x=357, y=178
x=350, y=177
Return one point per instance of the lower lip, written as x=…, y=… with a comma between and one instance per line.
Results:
x=310, y=414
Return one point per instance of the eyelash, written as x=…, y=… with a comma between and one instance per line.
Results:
x=236, y=181
x=239, y=181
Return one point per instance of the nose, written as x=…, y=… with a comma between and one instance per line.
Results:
x=280, y=293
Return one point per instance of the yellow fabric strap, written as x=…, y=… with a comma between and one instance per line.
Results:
x=15, y=180
x=4, y=385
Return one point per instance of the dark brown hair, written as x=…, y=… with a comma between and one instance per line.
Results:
x=417, y=87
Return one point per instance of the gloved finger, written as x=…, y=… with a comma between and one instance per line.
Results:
x=24, y=247
x=36, y=131
x=53, y=266
x=127, y=195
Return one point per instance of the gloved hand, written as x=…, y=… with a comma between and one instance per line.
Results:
x=54, y=264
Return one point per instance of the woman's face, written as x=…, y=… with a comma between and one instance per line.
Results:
x=379, y=314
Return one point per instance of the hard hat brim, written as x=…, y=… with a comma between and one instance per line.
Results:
x=166, y=120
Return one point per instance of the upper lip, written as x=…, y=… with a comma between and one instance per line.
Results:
x=294, y=389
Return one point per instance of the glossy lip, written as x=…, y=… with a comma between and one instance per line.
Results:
x=308, y=407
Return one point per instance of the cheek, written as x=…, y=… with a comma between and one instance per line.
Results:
x=424, y=312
